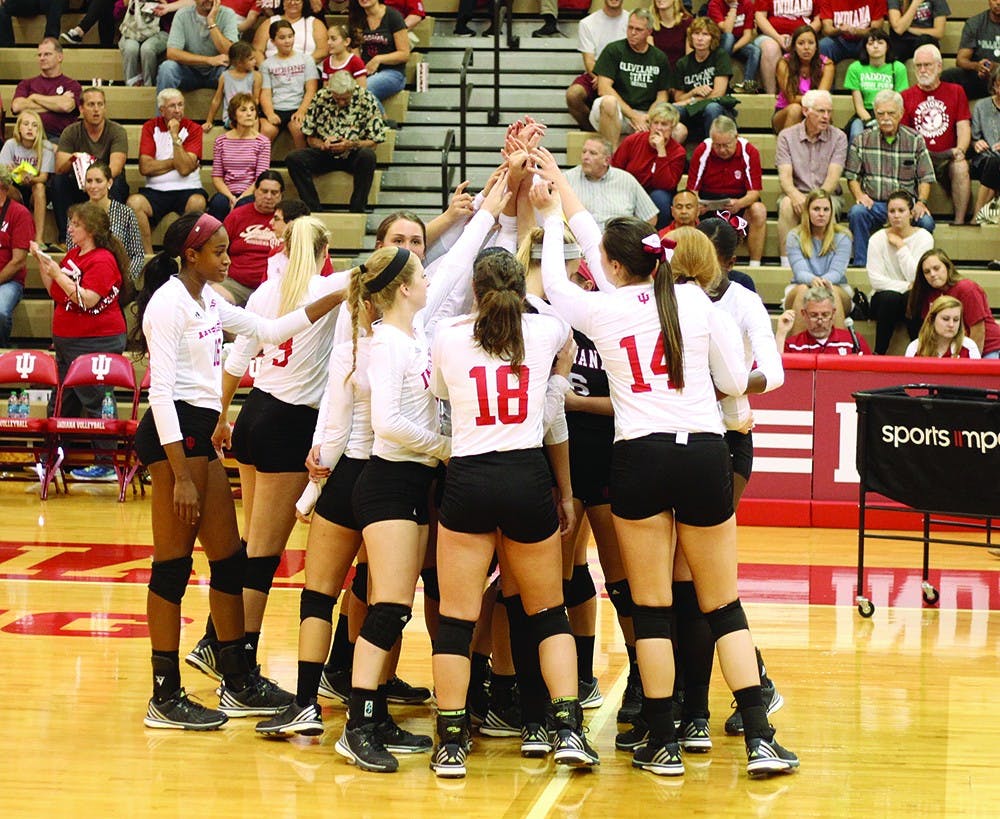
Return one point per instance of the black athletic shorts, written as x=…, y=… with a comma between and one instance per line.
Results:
x=741, y=450
x=392, y=490
x=334, y=502
x=590, y=466
x=509, y=491
x=655, y=474
x=273, y=436
x=164, y=202
x=197, y=426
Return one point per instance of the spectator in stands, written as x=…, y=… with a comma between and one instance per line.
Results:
x=86, y=287
x=913, y=23
x=124, y=224
x=52, y=95
x=16, y=234
x=289, y=84
x=604, y=26
x=802, y=69
x=671, y=22
x=341, y=58
x=308, y=33
x=286, y=212
x=735, y=20
x=239, y=156
x=725, y=171
x=631, y=76
x=986, y=144
x=247, y=14
x=413, y=13
x=819, y=251
x=684, y=210
x=170, y=151
x=700, y=84
x=808, y=156
x=251, y=239
x=892, y=264
x=939, y=112
x=550, y=17
x=52, y=9
x=977, y=49
x=242, y=77
x=726, y=239
x=143, y=43
x=342, y=127
x=100, y=12
x=776, y=20
x=942, y=335
x=846, y=25
x=93, y=135
x=466, y=11
x=820, y=335
x=31, y=158
x=874, y=71
x=936, y=276
x=198, y=46
x=654, y=158
x=606, y=191
x=380, y=36
x=880, y=161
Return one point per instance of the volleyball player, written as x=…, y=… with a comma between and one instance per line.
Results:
x=273, y=432
x=493, y=366
x=666, y=351
x=181, y=320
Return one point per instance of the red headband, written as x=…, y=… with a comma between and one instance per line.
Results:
x=200, y=233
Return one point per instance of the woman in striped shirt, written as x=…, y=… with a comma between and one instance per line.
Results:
x=240, y=156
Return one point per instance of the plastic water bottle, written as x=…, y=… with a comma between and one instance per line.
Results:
x=24, y=410
x=108, y=406
x=12, y=405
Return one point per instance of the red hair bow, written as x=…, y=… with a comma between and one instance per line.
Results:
x=738, y=222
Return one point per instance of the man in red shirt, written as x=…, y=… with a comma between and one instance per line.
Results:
x=251, y=239
x=52, y=95
x=820, y=336
x=846, y=24
x=17, y=230
x=939, y=112
x=684, y=209
x=725, y=172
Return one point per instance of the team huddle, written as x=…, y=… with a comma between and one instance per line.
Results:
x=482, y=395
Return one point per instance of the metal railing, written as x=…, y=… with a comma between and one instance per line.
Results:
x=465, y=93
x=449, y=143
x=502, y=13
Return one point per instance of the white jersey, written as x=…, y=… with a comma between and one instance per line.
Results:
x=404, y=410
x=492, y=408
x=344, y=423
x=185, y=348
x=625, y=328
x=295, y=370
x=754, y=323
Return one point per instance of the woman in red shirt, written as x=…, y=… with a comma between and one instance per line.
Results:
x=87, y=316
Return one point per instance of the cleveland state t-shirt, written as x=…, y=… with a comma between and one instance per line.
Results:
x=689, y=73
x=637, y=77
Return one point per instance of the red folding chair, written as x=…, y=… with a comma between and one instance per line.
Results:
x=110, y=371
x=25, y=370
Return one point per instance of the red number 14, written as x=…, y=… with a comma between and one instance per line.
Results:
x=657, y=365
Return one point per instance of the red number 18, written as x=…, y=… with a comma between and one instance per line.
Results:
x=506, y=393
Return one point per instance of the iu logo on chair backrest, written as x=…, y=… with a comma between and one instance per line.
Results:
x=100, y=366
x=25, y=365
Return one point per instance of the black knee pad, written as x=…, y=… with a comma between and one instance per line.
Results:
x=260, y=573
x=549, y=622
x=227, y=575
x=314, y=604
x=620, y=595
x=579, y=588
x=685, y=599
x=727, y=619
x=430, y=578
x=384, y=624
x=169, y=578
x=653, y=622
x=516, y=615
x=360, y=583
x=454, y=636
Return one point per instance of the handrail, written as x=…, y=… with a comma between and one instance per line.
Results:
x=502, y=12
x=449, y=142
x=465, y=93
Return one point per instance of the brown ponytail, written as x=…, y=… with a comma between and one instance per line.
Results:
x=498, y=284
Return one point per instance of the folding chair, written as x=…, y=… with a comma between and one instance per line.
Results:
x=110, y=371
x=21, y=370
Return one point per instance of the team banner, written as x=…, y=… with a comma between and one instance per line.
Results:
x=931, y=447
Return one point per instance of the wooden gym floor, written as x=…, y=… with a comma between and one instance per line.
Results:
x=892, y=716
